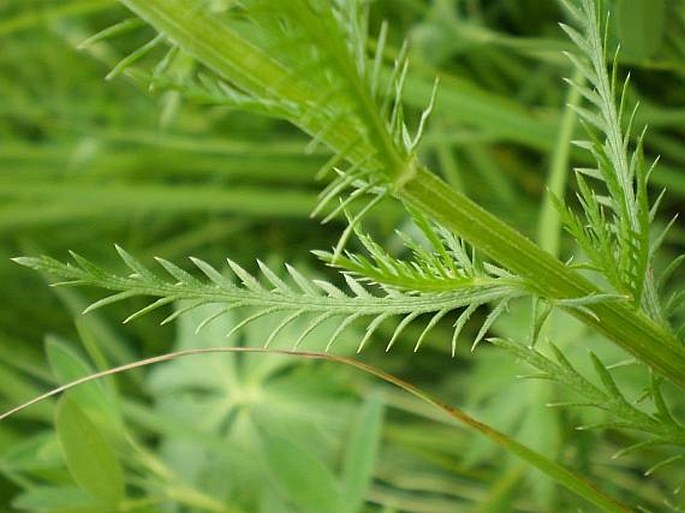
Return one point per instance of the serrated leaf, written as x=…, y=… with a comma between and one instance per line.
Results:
x=180, y=274
x=429, y=326
x=330, y=289
x=489, y=321
x=134, y=264
x=607, y=379
x=35, y=263
x=250, y=282
x=288, y=319
x=400, y=328
x=211, y=273
x=149, y=308
x=109, y=300
x=273, y=278
x=356, y=287
x=85, y=265
x=301, y=281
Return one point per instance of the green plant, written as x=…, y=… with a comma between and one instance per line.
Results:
x=308, y=63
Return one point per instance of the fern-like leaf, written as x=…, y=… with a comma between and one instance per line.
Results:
x=271, y=295
x=615, y=231
x=660, y=427
x=322, y=79
x=439, y=263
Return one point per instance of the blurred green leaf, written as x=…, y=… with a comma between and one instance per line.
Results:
x=303, y=478
x=17, y=389
x=94, y=398
x=60, y=499
x=360, y=457
x=640, y=26
x=90, y=460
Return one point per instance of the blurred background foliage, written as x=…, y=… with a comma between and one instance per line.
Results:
x=87, y=162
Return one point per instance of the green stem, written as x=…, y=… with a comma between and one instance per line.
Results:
x=548, y=277
x=242, y=64
x=248, y=67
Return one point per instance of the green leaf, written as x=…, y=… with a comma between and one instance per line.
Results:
x=16, y=389
x=93, y=398
x=361, y=453
x=60, y=499
x=301, y=477
x=640, y=25
x=36, y=454
x=89, y=458
x=308, y=300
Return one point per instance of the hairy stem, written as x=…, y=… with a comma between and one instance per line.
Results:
x=242, y=64
x=238, y=61
x=550, y=278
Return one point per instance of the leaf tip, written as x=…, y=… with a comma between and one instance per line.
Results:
x=30, y=262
